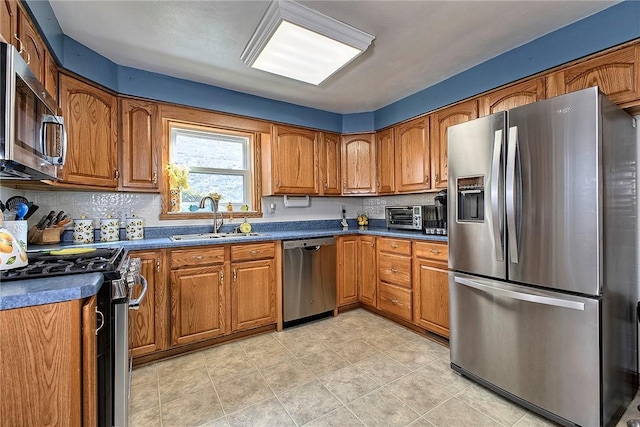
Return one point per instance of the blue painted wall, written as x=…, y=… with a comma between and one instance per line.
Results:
x=615, y=25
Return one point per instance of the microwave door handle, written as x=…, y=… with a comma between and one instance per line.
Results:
x=510, y=195
x=495, y=209
x=47, y=120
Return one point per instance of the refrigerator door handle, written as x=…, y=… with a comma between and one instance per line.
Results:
x=495, y=210
x=510, y=195
x=537, y=299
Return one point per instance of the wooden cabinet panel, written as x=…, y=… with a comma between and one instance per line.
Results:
x=617, y=74
x=513, y=96
x=330, y=168
x=140, y=143
x=91, y=120
x=395, y=269
x=40, y=367
x=367, y=270
x=150, y=320
x=293, y=160
x=197, y=257
x=358, y=164
x=197, y=304
x=385, y=146
x=395, y=300
x=347, y=254
x=413, y=168
x=253, y=294
x=396, y=246
x=50, y=75
x=8, y=21
x=438, y=252
x=89, y=363
x=33, y=46
x=253, y=251
x=440, y=122
x=431, y=298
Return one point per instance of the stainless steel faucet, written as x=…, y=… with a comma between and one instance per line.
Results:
x=214, y=209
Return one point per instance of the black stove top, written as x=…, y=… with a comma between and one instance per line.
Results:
x=44, y=264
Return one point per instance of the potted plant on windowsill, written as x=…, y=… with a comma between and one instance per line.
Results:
x=178, y=180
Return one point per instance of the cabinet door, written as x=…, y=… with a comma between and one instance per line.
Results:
x=150, y=320
x=440, y=122
x=50, y=75
x=33, y=47
x=197, y=304
x=294, y=160
x=513, y=96
x=140, y=142
x=330, y=164
x=253, y=294
x=91, y=120
x=367, y=270
x=431, y=297
x=386, y=161
x=617, y=74
x=8, y=21
x=358, y=164
x=413, y=170
x=347, y=253
x=89, y=363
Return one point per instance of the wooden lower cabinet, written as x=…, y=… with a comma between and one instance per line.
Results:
x=198, y=304
x=150, y=320
x=347, y=283
x=253, y=294
x=431, y=287
x=47, y=365
x=367, y=271
x=395, y=300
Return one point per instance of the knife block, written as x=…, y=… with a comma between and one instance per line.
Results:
x=48, y=236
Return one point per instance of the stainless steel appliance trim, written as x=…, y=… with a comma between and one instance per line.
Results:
x=522, y=296
x=121, y=365
x=510, y=193
x=290, y=244
x=495, y=181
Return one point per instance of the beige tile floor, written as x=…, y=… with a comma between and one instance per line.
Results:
x=352, y=370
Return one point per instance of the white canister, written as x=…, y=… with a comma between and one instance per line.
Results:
x=19, y=230
x=109, y=229
x=83, y=231
x=134, y=229
x=12, y=253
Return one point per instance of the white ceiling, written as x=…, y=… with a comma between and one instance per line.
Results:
x=418, y=43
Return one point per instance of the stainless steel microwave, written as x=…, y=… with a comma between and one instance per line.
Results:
x=32, y=135
x=406, y=217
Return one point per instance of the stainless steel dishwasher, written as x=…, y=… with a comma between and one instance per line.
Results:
x=309, y=277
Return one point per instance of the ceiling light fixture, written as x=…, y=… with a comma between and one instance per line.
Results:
x=294, y=41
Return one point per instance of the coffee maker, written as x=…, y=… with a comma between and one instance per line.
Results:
x=439, y=225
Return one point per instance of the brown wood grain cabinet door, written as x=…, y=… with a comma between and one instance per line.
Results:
x=440, y=122
x=140, y=144
x=413, y=168
x=347, y=253
x=253, y=294
x=34, y=48
x=197, y=304
x=367, y=270
x=150, y=320
x=358, y=164
x=294, y=160
x=91, y=119
x=385, y=145
x=89, y=363
x=513, y=96
x=8, y=21
x=617, y=74
x=330, y=164
x=51, y=75
x=431, y=297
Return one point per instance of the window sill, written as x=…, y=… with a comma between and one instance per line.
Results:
x=209, y=215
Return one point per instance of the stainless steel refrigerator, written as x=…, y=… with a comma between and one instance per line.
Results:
x=543, y=256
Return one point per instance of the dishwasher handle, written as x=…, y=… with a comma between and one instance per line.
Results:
x=312, y=248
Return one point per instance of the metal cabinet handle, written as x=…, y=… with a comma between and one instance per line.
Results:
x=116, y=174
x=197, y=257
x=101, y=316
x=437, y=178
x=394, y=246
x=154, y=177
x=393, y=270
x=22, y=49
x=254, y=252
x=435, y=251
x=158, y=265
x=235, y=275
x=426, y=179
x=221, y=277
x=394, y=301
x=326, y=185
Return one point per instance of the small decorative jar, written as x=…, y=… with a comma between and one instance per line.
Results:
x=109, y=230
x=82, y=230
x=12, y=253
x=175, y=200
x=134, y=228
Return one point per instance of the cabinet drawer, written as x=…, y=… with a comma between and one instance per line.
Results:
x=197, y=257
x=434, y=251
x=396, y=246
x=395, y=300
x=253, y=251
x=394, y=269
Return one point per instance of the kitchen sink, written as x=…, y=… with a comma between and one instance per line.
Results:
x=209, y=236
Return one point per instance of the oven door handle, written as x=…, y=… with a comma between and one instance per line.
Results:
x=134, y=304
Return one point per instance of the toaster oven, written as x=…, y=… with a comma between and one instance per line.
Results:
x=406, y=217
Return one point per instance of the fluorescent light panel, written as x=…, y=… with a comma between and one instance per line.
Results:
x=299, y=43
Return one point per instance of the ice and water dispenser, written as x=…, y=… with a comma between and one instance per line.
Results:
x=470, y=192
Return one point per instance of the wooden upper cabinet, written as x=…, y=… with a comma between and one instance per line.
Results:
x=91, y=119
x=413, y=168
x=8, y=21
x=513, y=96
x=32, y=45
x=358, y=164
x=293, y=160
x=330, y=154
x=616, y=73
x=440, y=122
x=50, y=75
x=386, y=161
x=140, y=144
